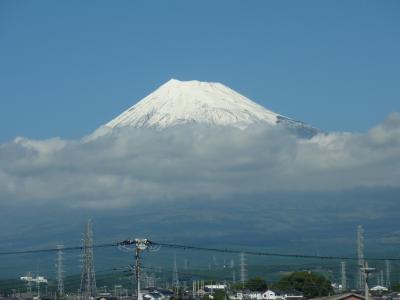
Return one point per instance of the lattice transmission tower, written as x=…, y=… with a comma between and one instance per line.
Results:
x=88, y=279
x=360, y=258
x=243, y=271
x=387, y=270
x=343, y=277
x=60, y=270
x=175, y=278
x=381, y=279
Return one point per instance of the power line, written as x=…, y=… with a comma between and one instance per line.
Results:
x=48, y=250
x=261, y=253
x=210, y=249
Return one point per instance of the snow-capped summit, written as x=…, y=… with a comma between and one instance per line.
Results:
x=178, y=102
x=195, y=102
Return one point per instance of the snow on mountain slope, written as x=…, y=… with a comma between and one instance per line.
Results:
x=194, y=102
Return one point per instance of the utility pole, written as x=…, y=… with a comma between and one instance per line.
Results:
x=60, y=271
x=140, y=246
x=344, y=279
x=366, y=272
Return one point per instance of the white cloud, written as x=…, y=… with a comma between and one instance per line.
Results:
x=140, y=165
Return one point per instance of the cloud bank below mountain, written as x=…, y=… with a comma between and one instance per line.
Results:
x=134, y=166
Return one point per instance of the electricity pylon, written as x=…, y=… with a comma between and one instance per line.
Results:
x=387, y=270
x=243, y=270
x=360, y=257
x=175, y=278
x=88, y=279
x=60, y=270
x=344, y=279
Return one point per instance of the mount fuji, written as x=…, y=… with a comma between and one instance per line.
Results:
x=194, y=102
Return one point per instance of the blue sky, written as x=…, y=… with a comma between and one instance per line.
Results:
x=67, y=67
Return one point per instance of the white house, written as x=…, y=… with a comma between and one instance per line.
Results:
x=255, y=296
x=237, y=296
x=269, y=295
x=379, y=288
x=215, y=287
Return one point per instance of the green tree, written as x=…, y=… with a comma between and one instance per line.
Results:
x=309, y=283
x=256, y=284
x=395, y=287
x=236, y=286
